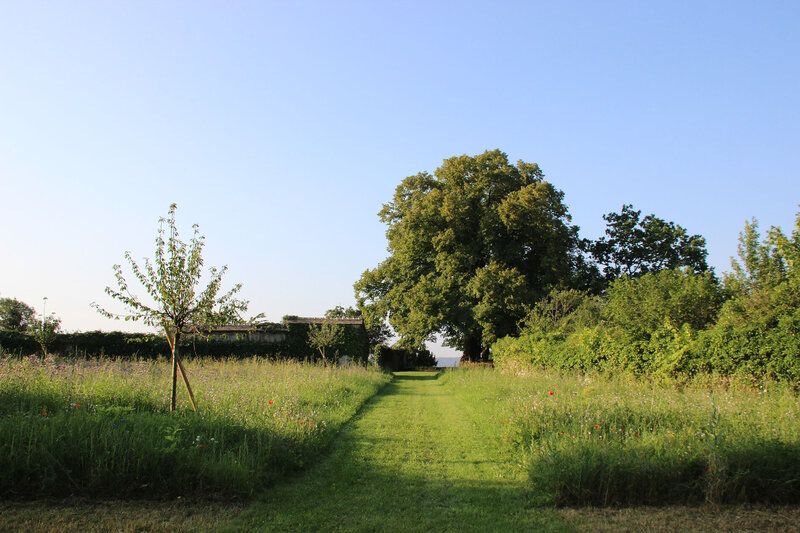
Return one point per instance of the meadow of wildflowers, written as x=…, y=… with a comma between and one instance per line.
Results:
x=103, y=427
x=620, y=440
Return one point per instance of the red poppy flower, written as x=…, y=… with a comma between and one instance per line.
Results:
x=550, y=393
x=596, y=426
x=78, y=405
x=270, y=402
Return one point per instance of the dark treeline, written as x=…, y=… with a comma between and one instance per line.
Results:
x=353, y=342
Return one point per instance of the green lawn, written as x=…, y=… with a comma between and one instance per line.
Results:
x=459, y=451
x=415, y=459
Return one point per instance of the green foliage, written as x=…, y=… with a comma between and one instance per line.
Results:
x=470, y=247
x=633, y=246
x=677, y=321
x=675, y=297
x=354, y=343
x=648, y=324
x=45, y=332
x=761, y=267
x=16, y=315
x=326, y=337
x=757, y=332
x=171, y=283
x=377, y=333
x=398, y=358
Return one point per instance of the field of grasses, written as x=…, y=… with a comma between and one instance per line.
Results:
x=618, y=440
x=103, y=428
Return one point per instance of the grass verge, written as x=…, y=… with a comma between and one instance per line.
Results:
x=101, y=428
x=610, y=441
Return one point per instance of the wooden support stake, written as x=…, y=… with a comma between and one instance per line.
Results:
x=186, y=381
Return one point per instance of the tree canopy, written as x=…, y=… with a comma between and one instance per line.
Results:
x=171, y=283
x=471, y=246
x=16, y=315
x=633, y=246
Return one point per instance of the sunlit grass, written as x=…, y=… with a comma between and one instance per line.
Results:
x=102, y=427
x=589, y=439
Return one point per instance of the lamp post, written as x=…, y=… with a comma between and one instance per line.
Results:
x=44, y=310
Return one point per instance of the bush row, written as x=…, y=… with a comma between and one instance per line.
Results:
x=666, y=323
x=354, y=343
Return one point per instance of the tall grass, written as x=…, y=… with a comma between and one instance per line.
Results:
x=102, y=427
x=589, y=439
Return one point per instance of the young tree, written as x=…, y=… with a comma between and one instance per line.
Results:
x=16, y=315
x=171, y=282
x=45, y=331
x=470, y=248
x=324, y=337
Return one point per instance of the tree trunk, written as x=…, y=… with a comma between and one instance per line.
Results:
x=472, y=349
x=175, y=355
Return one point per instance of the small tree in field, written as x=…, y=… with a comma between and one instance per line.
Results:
x=325, y=336
x=171, y=282
x=45, y=331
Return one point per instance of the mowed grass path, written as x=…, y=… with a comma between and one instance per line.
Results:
x=416, y=458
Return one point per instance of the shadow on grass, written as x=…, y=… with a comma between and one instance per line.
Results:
x=755, y=471
x=417, y=375
x=120, y=452
x=389, y=482
x=344, y=497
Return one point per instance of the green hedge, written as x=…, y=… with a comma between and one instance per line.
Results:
x=664, y=323
x=148, y=346
x=395, y=359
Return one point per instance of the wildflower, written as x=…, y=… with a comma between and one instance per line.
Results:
x=44, y=412
x=506, y=421
x=637, y=434
x=596, y=426
x=550, y=393
x=270, y=402
x=78, y=406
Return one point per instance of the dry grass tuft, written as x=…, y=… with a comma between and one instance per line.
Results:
x=718, y=519
x=69, y=516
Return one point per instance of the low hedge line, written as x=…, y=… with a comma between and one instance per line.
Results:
x=149, y=346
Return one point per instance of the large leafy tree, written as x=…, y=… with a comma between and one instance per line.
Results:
x=633, y=246
x=16, y=315
x=174, y=303
x=471, y=246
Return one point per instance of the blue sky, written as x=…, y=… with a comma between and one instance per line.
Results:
x=282, y=127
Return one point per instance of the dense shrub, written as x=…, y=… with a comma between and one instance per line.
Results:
x=645, y=324
x=395, y=358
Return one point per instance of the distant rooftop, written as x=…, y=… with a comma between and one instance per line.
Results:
x=319, y=320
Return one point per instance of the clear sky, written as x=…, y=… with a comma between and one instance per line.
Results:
x=282, y=127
